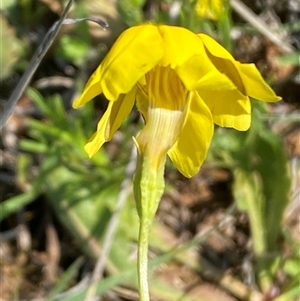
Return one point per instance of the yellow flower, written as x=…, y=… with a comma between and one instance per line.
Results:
x=182, y=83
x=210, y=9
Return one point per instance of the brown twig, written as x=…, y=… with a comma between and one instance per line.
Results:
x=260, y=25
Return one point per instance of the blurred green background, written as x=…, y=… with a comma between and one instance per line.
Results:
x=229, y=233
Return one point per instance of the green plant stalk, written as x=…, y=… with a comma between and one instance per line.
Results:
x=142, y=260
x=259, y=246
x=148, y=188
x=255, y=212
x=225, y=25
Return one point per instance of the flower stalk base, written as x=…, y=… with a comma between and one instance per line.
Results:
x=148, y=189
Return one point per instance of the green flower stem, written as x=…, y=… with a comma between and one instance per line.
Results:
x=142, y=260
x=148, y=189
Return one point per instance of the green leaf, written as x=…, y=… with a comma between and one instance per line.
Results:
x=261, y=185
x=65, y=279
x=9, y=41
x=290, y=59
x=292, y=267
x=291, y=294
x=72, y=49
x=131, y=11
x=16, y=203
x=268, y=158
x=5, y=5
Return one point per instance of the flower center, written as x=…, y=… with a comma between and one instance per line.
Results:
x=165, y=89
x=163, y=101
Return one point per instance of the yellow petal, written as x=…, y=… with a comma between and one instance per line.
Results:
x=229, y=108
x=142, y=103
x=91, y=89
x=112, y=119
x=190, y=149
x=191, y=61
x=135, y=52
x=223, y=60
x=198, y=73
x=214, y=47
x=179, y=45
x=255, y=85
x=246, y=77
